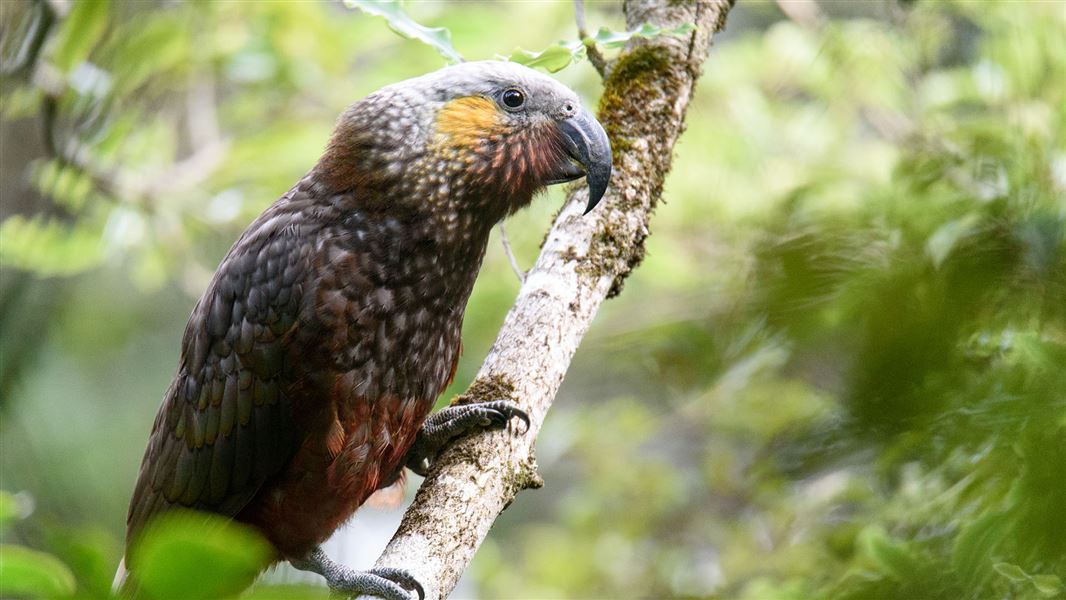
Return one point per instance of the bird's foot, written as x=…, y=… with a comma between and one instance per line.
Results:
x=455, y=421
x=387, y=583
x=390, y=584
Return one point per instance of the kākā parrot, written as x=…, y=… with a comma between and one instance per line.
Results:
x=310, y=363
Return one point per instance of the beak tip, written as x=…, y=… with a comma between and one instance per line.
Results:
x=596, y=193
x=589, y=145
x=598, y=177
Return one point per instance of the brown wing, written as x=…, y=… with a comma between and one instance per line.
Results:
x=224, y=427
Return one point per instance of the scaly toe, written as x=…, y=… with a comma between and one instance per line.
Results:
x=377, y=583
x=403, y=578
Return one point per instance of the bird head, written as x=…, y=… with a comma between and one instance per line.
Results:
x=480, y=135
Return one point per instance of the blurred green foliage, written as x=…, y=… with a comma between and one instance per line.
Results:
x=25, y=572
x=402, y=23
x=180, y=555
x=839, y=373
x=191, y=555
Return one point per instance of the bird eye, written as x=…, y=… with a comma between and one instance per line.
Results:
x=513, y=98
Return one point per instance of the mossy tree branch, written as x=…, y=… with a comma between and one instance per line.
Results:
x=584, y=260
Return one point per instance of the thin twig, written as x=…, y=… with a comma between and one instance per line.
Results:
x=510, y=255
x=591, y=50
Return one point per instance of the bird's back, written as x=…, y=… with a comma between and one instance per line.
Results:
x=219, y=434
x=307, y=368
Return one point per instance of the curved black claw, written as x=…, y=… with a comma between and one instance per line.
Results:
x=500, y=413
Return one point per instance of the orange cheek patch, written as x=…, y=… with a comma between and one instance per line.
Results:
x=468, y=122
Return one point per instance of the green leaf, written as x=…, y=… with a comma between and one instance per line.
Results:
x=287, y=592
x=393, y=13
x=553, y=58
x=1012, y=572
x=889, y=555
x=974, y=544
x=89, y=551
x=185, y=554
x=616, y=39
x=9, y=508
x=948, y=236
x=21, y=102
x=79, y=33
x=156, y=46
x=1047, y=585
x=562, y=54
x=28, y=573
x=49, y=247
x=68, y=186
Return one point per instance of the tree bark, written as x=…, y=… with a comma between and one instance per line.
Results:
x=584, y=260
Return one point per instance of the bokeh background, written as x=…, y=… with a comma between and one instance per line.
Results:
x=839, y=373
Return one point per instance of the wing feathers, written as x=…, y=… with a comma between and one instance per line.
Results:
x=244, y=455
x=221, y=468
x=220, y=432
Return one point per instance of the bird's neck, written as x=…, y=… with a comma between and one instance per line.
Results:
x=457, y=241
x=436, y=255
x=440, y=222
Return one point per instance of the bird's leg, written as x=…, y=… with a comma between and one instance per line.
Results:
x=439, y=429
x=390, y=584
x=455, y=421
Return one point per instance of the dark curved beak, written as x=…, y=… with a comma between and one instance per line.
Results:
x=587, y=144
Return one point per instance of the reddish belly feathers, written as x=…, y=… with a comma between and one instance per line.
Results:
x=355, y=450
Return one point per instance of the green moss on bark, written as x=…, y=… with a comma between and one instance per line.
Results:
x=632, y=77
x=487, y=389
